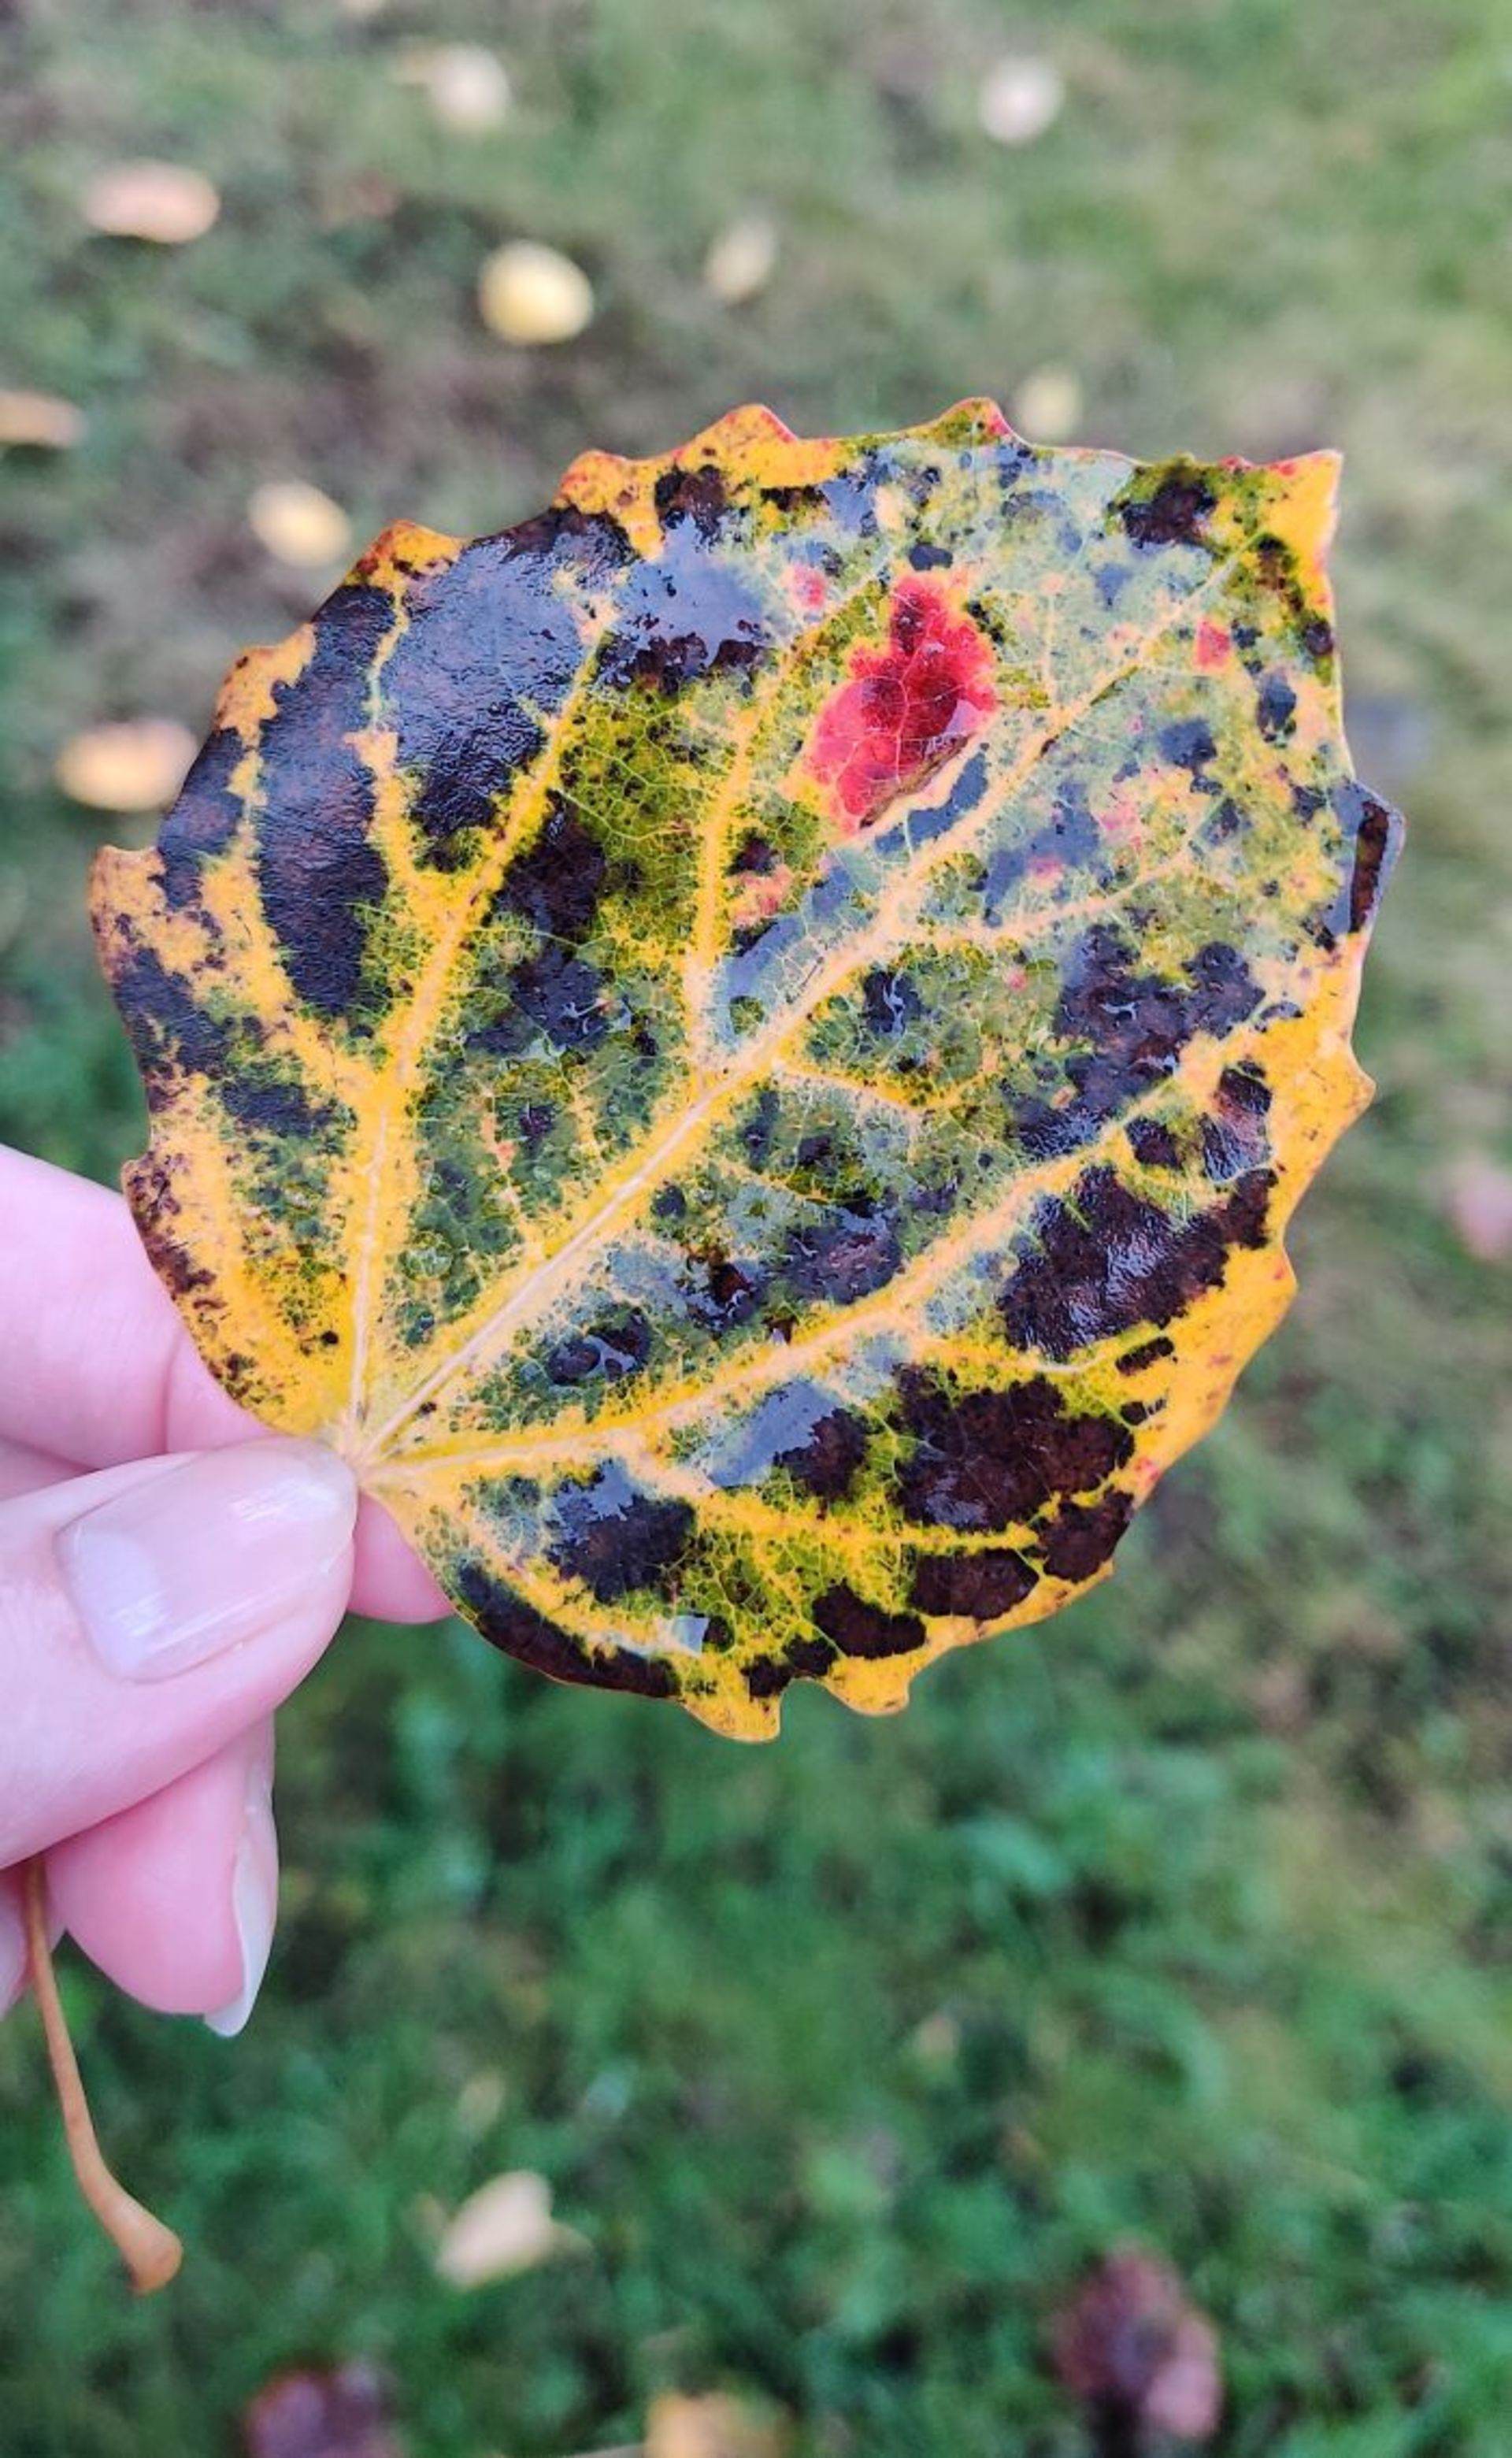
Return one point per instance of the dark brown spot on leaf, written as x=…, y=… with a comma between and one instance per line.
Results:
x=684, y=615
x=1172, y=511
x=605, y=1352
x=615, y=1538
x=860, y=1629
x=1377, y=836
x=1275, y=708
x=491, y=642
x=979, y=1585
x=1150, y=1352
x=557, y=883
x=826, y=1463
x=203, y=820
x=511, y=1624
x=1108, y=1261
x=991, y=1459
x=846, y=1261
x=1154, y=1145
x=318, y=874
x=698, y=495
x=1083, y=1535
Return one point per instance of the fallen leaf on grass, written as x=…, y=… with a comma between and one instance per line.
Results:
x=481, y=2101
x=165, y=202
x=297, y=523
x=504, y=2228
x=322, y=2411
x=1137, y=2354
x=528, y=293
x=41, y=419
x=742, y=259
x=469, y=87
x=709, y=2427
x=1020, y=98
x=136, y=764
x=1480, y=1202
x=1048, y=405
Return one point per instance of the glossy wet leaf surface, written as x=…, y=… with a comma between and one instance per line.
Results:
x=745, y=1048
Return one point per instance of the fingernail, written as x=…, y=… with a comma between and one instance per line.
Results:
x=254, y=1905
x=186, y=1564
x=13, y=1957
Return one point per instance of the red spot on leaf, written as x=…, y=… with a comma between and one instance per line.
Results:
x=1212, y=645
x=757, y=899
x=907, y=707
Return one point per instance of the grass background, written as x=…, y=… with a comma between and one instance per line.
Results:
x=1185, y=1920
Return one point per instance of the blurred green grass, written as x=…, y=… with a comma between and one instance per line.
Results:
x=1187, y=1919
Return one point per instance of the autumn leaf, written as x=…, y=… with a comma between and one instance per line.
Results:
x=1020, y=98
x=467, y=86
x=164, y=202
x=41, y=420
x=1048, y=403
x=742, y=259
x=744, y=1049
x=711, y=2427
x=533, y=295
x=1138, y=2355
x=297, y=523
x=322, y=2411
x=135, y=763
x=1479, y=1207
x=505, y=2227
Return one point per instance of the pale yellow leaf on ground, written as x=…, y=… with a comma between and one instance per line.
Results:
x=469, y=87
x=165, y=202
x=504, y=2228
x=40, y=418
x=1020, y=98
x=480, y=2102
x=297, y=523
x=742, y=259
x=530, y=294
x=1480, y=1202
x=1047, y=406
x=136, y=764
x=709, y=2427
x=937, y=2039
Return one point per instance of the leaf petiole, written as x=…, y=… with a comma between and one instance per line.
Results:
x=151, y=2251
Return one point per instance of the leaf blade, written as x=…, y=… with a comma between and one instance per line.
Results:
x=706, y=1035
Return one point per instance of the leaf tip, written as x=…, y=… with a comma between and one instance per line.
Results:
x=976, y=420
x=399, y=551
x=1306, y=510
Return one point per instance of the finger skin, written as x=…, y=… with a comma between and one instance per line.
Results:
x=13, y=1941
x=22, y=1470
x=96, y=1364
x=147, y=1895
x=78, y=1744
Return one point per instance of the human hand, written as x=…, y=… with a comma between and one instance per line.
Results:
x=168, y=1574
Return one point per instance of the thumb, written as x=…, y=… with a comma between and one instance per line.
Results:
x=150, y=1614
